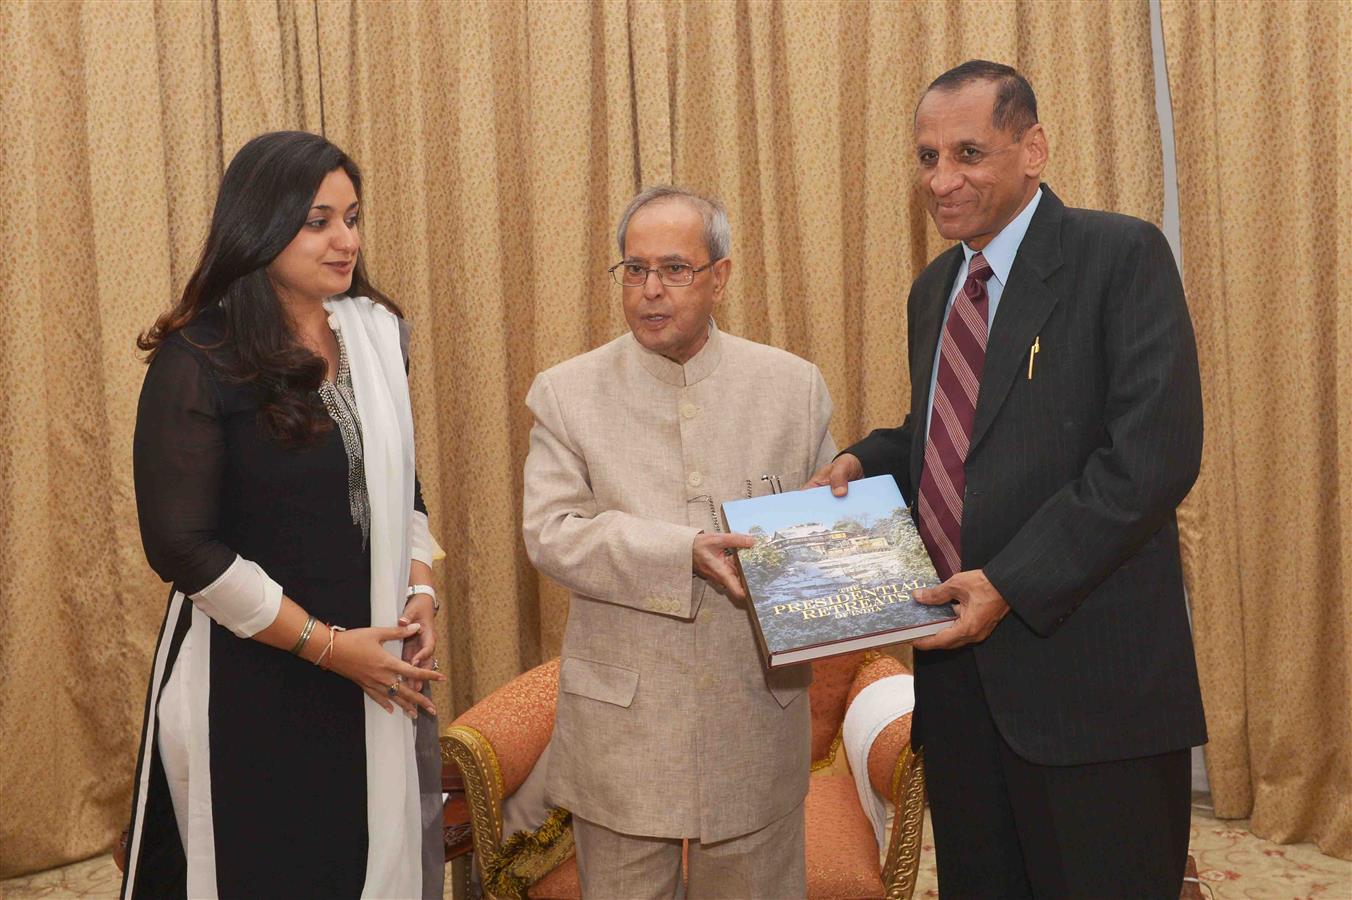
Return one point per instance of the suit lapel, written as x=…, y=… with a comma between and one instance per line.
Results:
x=929, y=319
x=1026, y=303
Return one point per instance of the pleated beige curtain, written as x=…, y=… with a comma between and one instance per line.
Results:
x=521, y=131
x=1262, y=97
x=500, y=141
x=116, y=121
x=799, y=116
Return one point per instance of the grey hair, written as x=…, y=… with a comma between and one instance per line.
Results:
x=717, y=231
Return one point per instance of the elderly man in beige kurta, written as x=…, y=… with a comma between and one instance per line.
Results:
x=669, y=726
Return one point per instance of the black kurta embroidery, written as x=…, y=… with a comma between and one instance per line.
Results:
x=341, y=402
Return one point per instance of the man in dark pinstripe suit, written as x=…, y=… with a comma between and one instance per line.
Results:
x=1055, y=425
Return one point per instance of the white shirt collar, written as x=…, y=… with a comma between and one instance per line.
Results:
x=1000, y=251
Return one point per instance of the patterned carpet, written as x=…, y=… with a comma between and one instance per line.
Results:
x=1232, y=863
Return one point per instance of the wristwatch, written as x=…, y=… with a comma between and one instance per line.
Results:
x=424, y=589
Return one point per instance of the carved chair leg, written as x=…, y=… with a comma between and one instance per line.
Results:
x=908, y=825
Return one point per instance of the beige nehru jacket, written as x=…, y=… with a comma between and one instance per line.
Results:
x=668, y=724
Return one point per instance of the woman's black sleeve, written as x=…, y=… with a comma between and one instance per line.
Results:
x=418, y=503
x=178, y=456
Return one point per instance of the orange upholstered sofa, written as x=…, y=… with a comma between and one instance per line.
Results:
x=496, y=743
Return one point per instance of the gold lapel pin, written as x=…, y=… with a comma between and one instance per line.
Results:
x=1032, y=354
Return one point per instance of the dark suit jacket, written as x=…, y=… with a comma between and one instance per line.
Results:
x=1073, y=478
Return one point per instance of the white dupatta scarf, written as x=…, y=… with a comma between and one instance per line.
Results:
x=375, y=358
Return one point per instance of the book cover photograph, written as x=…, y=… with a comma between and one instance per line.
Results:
x=831, y=575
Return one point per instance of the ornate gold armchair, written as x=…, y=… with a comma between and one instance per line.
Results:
x=496, y=743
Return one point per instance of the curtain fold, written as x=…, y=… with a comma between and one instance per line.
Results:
x=523, y=128
x=500, y=142
x=267, y=73
x=799, y=115
x=493, y=185
x=1263, y=120
x=117, y=119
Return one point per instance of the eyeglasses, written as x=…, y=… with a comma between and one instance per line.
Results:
x=631, y=274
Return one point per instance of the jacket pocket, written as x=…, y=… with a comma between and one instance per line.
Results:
x=598, y=681
x=789, y=683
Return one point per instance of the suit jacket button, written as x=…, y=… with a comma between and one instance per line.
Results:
x=689, y=410
x=695, y=479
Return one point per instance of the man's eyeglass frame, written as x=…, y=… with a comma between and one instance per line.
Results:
x=619, y=276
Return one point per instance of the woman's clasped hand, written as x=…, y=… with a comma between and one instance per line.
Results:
x=360, y=656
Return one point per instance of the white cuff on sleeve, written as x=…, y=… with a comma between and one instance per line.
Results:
x=423, y=547
x=243, y=599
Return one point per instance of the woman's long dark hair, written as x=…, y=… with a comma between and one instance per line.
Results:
x=263, y=202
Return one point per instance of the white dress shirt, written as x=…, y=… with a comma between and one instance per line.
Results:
x=999, y=255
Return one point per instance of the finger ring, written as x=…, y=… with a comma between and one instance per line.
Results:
x=393, y=689
x=436, y=666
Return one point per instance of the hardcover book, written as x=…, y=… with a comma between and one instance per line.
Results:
x=830, y=575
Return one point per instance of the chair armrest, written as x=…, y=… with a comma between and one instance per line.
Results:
x=897, y=773
x=887, y=746
x=516, y=721
x=495, y=744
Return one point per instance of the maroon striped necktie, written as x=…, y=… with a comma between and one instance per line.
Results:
x=962, y=356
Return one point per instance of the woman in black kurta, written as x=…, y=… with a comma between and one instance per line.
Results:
x=275, y=748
